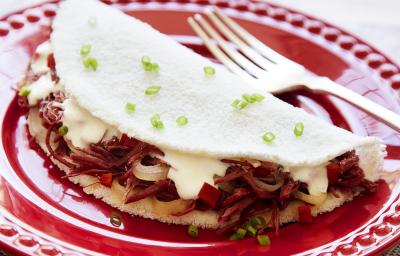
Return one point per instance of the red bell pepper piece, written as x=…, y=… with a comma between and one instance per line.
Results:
x=51, y=63
x=106, y=179
x=333, y=171
x=304, y=213
x=209, y=195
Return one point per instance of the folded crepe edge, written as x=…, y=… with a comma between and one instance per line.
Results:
x=370, y=149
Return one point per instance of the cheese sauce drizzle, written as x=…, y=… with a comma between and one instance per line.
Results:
x=41, y=88
x=39, y=63
x=190, y=172
x=315, y=177
x=84, y=128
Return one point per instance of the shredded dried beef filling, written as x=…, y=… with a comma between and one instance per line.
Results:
x=241, y=197
x=234, y=207
x=348, y=175
x=49, y=108
x=162, y=189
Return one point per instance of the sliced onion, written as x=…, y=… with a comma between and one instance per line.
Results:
x=254, y=163
x=268, y=187
x=171, y=207
x=150, y=173
x=311, y=199
x=72, y=147
x=226, y=186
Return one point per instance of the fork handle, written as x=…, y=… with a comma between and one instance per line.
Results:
x=323, y=84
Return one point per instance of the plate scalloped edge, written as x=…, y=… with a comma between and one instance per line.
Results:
x=375, y=238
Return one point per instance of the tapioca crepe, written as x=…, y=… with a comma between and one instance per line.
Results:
x=172, y=136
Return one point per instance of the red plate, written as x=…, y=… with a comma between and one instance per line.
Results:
x=42, y=214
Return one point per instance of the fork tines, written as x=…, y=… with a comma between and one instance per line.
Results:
x=244, y=54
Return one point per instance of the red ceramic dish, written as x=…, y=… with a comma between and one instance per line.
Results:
x=42, y=214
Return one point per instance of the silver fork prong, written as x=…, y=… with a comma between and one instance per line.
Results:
x=253, y=41
x=244, y=48
x=229, y=50
x=219, y=54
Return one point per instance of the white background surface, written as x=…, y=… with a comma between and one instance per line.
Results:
x=376, y=21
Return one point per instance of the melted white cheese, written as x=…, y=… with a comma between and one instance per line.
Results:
x=315, y=177
x=189, y=172
x=41, y=88
x=84, y=128
x=35, y=126
x=39, y=63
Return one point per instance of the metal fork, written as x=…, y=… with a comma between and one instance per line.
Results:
x=261, y=66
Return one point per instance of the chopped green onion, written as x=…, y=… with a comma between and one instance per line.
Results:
x=248, y=98
x=130, y=107
x=268, y=137
x=21, y=84
x=208, y=70
x=151, y=90
x=155, y=67
x=24, y=92
x=86, y=63
x=235, y=103
x=115, y=220
x=182, y=120
x=257, y=97
x=148, y=67
x=252, y=225
x=193, y=231
x=239, y=104
x=298, y=129
x=63, y=130
x=263, y=240
x=249, y=228
x=90, y=63
x=243, y=104
x=85, y=50
x=146, y=60
x=92, y=21
x=156, y=122
x=247, y=224
x=241, y=233
x=251, y=231
x=255, y=221
x=234, y=236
